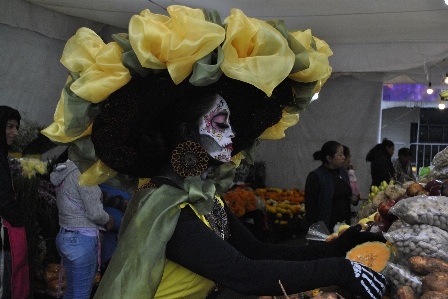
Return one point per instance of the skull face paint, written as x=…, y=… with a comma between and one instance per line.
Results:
x=216, y=132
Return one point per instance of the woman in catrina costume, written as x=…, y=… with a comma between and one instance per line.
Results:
x=181, y=100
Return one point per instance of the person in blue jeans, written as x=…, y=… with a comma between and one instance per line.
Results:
x=81, y=217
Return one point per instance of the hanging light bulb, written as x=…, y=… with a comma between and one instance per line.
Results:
x=446, y=76
x=429, y=90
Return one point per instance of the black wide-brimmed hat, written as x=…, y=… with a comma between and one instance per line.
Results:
x=116, y=90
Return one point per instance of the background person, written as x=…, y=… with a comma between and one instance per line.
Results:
x=381, y=167
x=14, y=281
x=356, y=195
x=81, y=215
x=327, y=188
x=403, y=167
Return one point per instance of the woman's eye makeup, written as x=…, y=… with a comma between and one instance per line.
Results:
x=221, y=125
x=220, y=121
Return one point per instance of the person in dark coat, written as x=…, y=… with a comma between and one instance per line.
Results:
x=327, y=188
x=381, y=167
x=14, y=256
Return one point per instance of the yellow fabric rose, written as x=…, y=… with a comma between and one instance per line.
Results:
x=97, y=173
x=255, y=52
x=319, y=69
x=174, y=43
x=277, y=131
x=100, y=66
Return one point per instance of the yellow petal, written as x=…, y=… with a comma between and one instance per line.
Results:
x=277, y=131
x=100, y=66
x=255, y=52
x=146, y=33
x=97, y=173
x=143, y=181
x=176, y=42
x=319, y=69
x=237, y=158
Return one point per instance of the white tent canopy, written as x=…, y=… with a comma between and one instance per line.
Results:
x=372, y=42
x=366, y=36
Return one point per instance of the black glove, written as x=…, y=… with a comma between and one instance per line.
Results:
x=362, y=281
x=350, y=238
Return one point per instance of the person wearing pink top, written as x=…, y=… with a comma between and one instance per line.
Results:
x=14, y=280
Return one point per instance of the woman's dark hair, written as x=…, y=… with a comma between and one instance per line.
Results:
x=387, y=143
x=328, y=149
x=379, y=149
x=346, y=151
x=63, y=157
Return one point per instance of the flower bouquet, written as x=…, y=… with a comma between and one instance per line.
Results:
x=37, y=198
x=285, y=210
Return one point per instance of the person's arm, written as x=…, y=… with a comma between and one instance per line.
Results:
x=243, y=241
x=9, y=207
x=197, y=248
x=91, y=198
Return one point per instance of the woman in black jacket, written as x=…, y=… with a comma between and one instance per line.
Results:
x=381, y=167
x=15, y=280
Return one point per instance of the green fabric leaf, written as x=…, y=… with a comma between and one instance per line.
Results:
x=147, y=226
x=131, y=62
x=280, y=26
x=250, y=152
x=75, y=76
x=122, y=39
x=313, y=44
x=204, y=72
x=302, y=96
x=302, y=60
x=82, y=153
x=215, y=18
x=78, y=113
x=223, y=177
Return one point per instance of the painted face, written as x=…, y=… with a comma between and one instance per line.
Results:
x=12, y=131
x=216, y=132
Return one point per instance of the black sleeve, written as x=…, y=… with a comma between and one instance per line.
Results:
x=243, y=241
x=312, y=189
x=246, y=265
x=9, y=207
x=382, y=169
